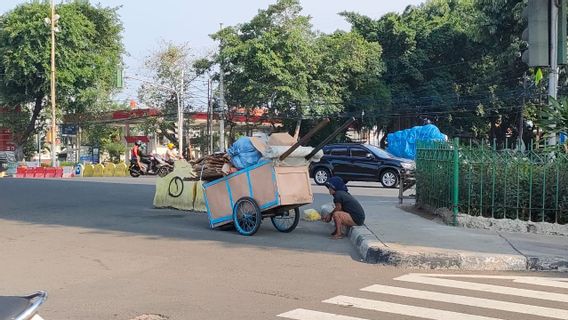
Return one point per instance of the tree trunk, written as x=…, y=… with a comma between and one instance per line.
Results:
x=21, y=139
x=297, y=132
x=19, y=153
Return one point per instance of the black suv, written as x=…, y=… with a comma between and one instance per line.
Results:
x=359, y=162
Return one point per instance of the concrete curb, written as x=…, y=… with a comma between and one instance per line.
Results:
x=372, y=250
x=547, y=263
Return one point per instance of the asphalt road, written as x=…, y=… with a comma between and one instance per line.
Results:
x=102, y=252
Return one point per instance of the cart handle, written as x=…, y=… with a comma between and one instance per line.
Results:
x=330, y=137
x=304, y=139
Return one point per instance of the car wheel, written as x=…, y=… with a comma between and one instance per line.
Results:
x=321, y=175
x=389, y=178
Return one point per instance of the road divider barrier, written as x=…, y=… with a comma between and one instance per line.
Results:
x=80, y=170
x=121, y=170
x=89, y=170
x=39, y=172
x=109, y=169
x=176, y=190
x=99, y=170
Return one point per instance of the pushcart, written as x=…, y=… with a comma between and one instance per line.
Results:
x=248, y=196
x=264, y=190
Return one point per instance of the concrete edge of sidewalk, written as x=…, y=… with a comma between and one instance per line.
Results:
x=372, y=250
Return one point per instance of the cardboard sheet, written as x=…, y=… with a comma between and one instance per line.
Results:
x=281, y=139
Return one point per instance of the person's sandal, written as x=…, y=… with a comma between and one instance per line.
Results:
x=337, y=237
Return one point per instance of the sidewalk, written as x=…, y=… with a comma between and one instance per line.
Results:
x=396, y=237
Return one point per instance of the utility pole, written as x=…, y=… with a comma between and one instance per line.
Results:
x=553, y=76
x=53, y=120
x=209, y=118
x=222, y=102
x=521, y=124
x=180, y=114
x=38, y=149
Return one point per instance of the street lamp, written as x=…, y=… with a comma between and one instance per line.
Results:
x=52, y=23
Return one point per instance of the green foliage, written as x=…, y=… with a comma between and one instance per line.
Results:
x=88, y=52
x=277, y=61
x=100, y=134
x=555, y=117
x=115, y=150
x=454, y=61
x=530, y=186
x=67, y=164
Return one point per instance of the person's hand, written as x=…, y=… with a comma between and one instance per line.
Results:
x=326, y=218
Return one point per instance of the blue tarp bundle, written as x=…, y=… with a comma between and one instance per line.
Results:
x=243, y=153
x=403, y=143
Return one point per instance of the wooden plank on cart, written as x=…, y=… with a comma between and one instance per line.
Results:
x=293, y=185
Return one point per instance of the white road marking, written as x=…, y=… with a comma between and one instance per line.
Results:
x=435, y=281
x=540, y=281
x=401, y=309
x=557, y=283
x=469, y=301
x=303, y=314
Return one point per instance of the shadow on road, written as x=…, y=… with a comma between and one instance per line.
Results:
x=127, y=209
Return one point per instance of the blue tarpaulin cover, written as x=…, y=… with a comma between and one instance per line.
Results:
x=403, y=143
x=243, y=153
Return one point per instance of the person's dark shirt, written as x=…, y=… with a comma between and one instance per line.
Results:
x=350, y=205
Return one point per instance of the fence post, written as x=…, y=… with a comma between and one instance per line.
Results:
x=455, y=202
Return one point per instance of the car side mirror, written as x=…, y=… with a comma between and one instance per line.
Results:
x=370, y=156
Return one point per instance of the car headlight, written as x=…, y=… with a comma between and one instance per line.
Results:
x=408, y=165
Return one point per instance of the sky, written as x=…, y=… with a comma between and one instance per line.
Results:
x=148, y=23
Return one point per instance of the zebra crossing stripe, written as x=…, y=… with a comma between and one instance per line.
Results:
x=557, y=283
x=401, y=309
x=435, y=281
x=304, y=314
x=540, y=281
x=469, y=301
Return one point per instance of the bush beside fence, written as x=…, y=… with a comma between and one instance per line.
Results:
x=530, y=186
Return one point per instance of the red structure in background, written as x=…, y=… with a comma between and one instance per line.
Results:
x=135, y=114
x=6, y=140
x=6, y=135
x=133, y=139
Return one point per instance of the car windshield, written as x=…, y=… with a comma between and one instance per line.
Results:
x=379, y=152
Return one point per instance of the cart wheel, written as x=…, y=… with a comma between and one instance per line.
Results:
x=247, y=216
x=288, y=221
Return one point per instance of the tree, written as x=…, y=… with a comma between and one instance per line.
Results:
x=268, y=60
x=88, y=52
x=554, y=118
x=166, y=67
x=277, y=61
x=454, y=61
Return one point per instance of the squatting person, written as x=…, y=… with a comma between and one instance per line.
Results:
x=348, y=211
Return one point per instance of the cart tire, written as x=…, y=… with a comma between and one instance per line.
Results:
x=287, y=223
x=247, y=216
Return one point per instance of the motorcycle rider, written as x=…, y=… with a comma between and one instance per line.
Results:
x=171, y=154
x=140, y=156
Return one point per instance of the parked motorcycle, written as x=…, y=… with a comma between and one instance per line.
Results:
x=161, y=167
x=22, y=308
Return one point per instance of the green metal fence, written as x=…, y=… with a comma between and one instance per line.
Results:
x=480, y=181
